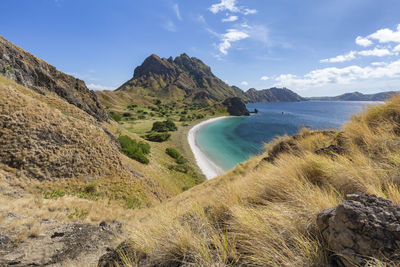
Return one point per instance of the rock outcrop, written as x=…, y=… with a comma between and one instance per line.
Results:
x=183, y=78
x=34, y=73
x=361, y=228
x=236, y=106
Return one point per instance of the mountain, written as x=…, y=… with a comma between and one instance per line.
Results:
x=183, y=78
x=357, y=96
x=34, y=73
x=272, y=95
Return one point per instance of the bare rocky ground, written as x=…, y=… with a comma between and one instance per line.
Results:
x=50, y=242
x=59, y=244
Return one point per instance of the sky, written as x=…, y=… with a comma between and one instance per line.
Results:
x=313, y=47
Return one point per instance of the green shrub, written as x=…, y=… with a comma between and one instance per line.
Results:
x=173, y=153
x=181, y=160
x=145, y=147
x=115, y=116
x=134, y=150
x=126, y=114
x=157, y=137
x=164, y=126
x=131, y=107
x=179, y=168
x=9, y=68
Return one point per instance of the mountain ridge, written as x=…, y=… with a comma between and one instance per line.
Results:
x=35, y=73
x=273, y=94
x=190, y=79
x=357, y=96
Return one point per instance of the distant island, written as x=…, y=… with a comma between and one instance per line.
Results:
x=356, y=96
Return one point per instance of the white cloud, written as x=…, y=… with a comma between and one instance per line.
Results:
x=169, y=26
x=339, y=76
x=248, y=11
x=396, y=49
x=340, y=58
x=232, y=35
x=98, y=87
x=229, y=5
x=378, y=63
x=230, y=19
x=175, y=7
x=377, y=52
x=264, y=78
x=244, y=83
x=386, y=35
x=363, y=41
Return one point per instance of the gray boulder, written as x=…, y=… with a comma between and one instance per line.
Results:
x=361, y=228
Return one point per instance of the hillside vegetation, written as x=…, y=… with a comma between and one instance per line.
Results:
x=263, y=213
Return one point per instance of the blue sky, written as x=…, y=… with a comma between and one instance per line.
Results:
x=314, y=47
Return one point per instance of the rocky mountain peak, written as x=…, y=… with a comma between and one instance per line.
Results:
x=155, y=65
x=178, y=79
x=193, y=65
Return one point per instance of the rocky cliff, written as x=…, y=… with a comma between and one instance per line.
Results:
x=236, y=106
x=272, y=95
x=183, y=78
x=34, y=73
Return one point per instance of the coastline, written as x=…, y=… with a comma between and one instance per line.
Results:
x=209, y=168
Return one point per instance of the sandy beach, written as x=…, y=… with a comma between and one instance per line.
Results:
x=209, y=168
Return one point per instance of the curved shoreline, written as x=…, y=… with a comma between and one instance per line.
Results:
x=209, y=168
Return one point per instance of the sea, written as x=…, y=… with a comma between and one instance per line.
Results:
x=230, y=141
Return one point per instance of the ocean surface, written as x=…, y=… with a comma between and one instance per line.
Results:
x=230, y=141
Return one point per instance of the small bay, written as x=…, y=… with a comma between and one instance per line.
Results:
x=233, y=140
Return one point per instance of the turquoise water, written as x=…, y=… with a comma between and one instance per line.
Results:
x=230, y=141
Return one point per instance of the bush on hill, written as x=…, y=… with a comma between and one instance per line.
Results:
x=157, y=137
x=135, y=150
x=173, y=153
x=164, y=126
x=115, y=116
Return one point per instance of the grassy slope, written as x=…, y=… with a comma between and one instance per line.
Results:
x=58, y=140
x=263, y=212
